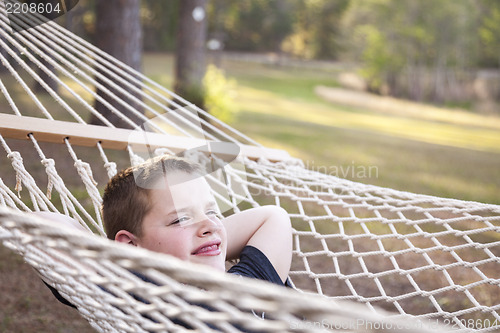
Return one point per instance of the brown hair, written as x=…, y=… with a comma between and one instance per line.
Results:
x=126, y=200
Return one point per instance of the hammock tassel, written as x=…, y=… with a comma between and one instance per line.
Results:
x=19, y=185
x=17, y=163
x=110, y=168
x=50, y=168
x=85, y=172
x=135, y=159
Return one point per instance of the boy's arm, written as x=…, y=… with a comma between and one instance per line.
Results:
x=266, y=228
x=59, y=219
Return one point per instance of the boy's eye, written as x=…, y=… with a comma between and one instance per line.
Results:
x=179, y=220
x=215, y=213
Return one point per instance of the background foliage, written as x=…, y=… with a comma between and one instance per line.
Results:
x=428, y=50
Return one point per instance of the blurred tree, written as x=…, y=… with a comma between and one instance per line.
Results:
x=417, y=49
x=310, y=28
x=77, y=20
x=252, y=25
x=219, y=94
x=190, y=64
x=316, y=29
x=118, y=32
x=327, y=29
x=489, y=33
x=46, y=78
x=160, y=20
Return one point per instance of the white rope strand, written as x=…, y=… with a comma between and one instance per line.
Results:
x=9, y=99
x=69, y=203
x=85, y=172
x=19, y=80
x=51, y=48
x=61, y=36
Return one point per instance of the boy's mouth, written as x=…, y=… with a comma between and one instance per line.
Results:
x=211, y=248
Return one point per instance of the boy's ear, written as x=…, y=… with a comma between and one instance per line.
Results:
x=124, y=236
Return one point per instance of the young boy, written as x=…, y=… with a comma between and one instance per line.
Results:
x=165, y=205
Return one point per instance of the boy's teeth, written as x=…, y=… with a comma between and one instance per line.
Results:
x=208, y=248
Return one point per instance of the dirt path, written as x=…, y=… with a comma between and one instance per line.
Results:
x=28, y=306
x=404, y=108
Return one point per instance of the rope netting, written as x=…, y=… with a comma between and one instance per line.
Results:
x=378, y=256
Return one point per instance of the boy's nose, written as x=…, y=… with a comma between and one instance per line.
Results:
x=208, y=226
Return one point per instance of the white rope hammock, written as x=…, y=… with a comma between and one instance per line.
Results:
x=364, y=248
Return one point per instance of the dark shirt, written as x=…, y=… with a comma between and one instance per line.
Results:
x=254, y=264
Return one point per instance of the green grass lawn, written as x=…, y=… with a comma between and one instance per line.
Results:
x=436, y=151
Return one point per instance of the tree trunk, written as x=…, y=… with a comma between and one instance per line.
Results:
x=438, y=91
x=119, y=33
x=190, y=51
x=498, y=72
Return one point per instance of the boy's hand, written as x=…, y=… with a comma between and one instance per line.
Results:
x=267, y=228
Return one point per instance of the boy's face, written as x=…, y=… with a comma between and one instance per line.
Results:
x=183, y=221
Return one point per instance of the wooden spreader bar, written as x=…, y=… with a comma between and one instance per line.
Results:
x=55, y=131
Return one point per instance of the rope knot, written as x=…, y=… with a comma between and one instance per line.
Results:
x=17, y=163
x=50, y=168
x=15, y=156
x=48, y=163
x=110, y=168
x=136, y=159
x=85, y=171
